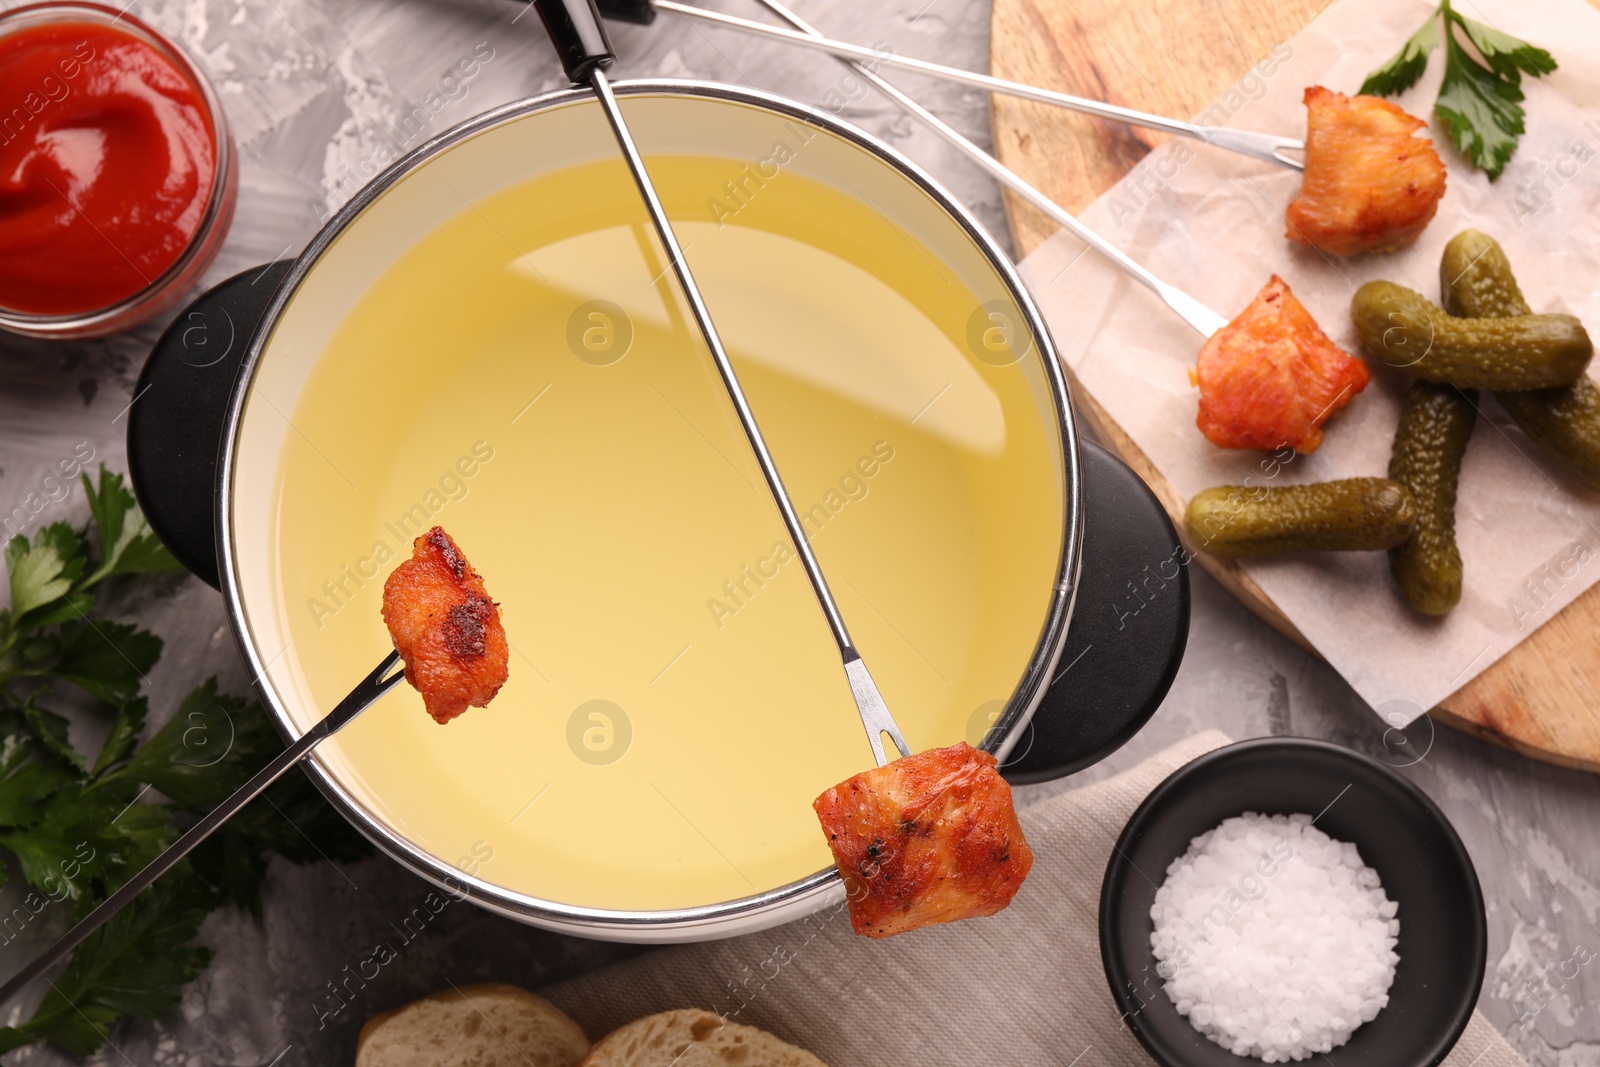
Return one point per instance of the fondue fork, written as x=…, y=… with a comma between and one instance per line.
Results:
x=360, y=698
x=1201, y=318
x=1264, y=146
x=1191, y=310
x=585, y=50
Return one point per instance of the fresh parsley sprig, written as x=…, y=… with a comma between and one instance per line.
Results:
x=1480, y=99
x=77, y=827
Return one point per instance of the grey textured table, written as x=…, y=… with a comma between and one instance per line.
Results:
x=313, y=89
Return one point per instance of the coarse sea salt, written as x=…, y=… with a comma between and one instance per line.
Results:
x=1274, y=939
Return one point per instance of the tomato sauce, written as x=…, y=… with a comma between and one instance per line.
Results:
x=107, y=155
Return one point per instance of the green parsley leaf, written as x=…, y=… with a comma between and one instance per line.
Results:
x=1480, y=102
x=137, y=964
x=1481, y=110
x=127, y=545
x=1401, y=70
x=208, y=749
x=78, y=604
x=1508, y=56
x=28, y=774
x=123, y=737
x=86, y=835
x=43, y=571
x=138, y=834
x=108, y=659
x=51, y=731
x=233, y=865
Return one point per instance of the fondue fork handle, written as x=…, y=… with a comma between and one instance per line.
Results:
x=1204, y=320
x=371, y=688
x=580, y=39
x=1264, y=146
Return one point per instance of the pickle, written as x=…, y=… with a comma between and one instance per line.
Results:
x=1353, y=515
x=1435, y=423
x=1476, y=280
x=1405, y=330
x=1564, y=421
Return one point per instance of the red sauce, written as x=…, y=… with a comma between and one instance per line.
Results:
x=107, y=153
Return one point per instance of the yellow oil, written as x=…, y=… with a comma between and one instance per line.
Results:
x=618, y=516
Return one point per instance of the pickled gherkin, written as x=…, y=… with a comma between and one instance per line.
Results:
x=1351, y=515
x=1565, y=420
x=1476, y=280
x=1407, y=331
x=1435, y=423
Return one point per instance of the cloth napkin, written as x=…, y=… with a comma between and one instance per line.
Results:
x=1022, y=987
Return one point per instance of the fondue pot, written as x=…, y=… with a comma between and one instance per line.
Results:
x=486, y=338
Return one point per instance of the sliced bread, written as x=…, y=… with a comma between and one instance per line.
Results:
x=694, y=1038
x=475, y=1026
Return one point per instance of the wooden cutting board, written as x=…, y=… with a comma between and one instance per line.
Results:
x=1175, y=58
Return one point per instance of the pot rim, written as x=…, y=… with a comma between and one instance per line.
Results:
x=726, y=918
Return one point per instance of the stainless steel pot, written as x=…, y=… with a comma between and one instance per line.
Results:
x=190, y=439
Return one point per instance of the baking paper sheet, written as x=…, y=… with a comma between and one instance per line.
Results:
x=1212, y=222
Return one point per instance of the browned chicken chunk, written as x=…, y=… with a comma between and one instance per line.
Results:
x=1371, y=184
x=1271, y=377
x=445, y=627
x=931, y=838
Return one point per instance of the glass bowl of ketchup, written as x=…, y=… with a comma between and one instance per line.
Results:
x=117, y=171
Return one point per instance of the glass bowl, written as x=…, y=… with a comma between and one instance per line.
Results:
x=180, y=276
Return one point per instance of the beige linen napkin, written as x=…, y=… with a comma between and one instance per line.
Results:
x=1022, y=987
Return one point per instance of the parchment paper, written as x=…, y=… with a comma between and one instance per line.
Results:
x=1212, y=222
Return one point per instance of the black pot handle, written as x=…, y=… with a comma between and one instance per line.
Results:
x=175, y=426
x=1129, y=623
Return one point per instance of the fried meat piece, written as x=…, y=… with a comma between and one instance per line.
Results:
x=445, y=627
x=931, y=838
x=1371, y=184
x=1271, y=377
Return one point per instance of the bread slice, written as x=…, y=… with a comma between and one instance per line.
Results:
x=694, y=1038
x=475, y=1026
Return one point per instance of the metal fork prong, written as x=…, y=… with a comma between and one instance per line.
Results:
x=369, y=689
x=875, y=715
x=1291, y=146
x=1264, y=146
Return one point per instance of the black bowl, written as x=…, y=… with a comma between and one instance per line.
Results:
x=1399, y=832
